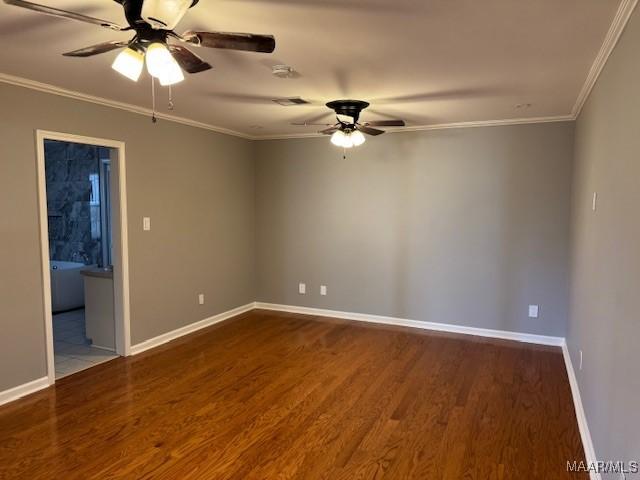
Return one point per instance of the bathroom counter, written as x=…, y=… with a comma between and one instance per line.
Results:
x=98, y=304
x=97, y=272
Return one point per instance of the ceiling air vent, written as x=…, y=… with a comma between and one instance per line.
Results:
x=284, y=71
x=289, y=102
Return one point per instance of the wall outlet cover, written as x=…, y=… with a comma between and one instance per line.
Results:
x=533, y=311
x=201, y=299
x=323, y=290
x=302, y=288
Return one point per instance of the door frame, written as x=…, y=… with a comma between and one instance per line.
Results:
x=120, y=248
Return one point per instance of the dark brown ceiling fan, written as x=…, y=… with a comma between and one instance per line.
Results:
x=349, y=133
x=153, y=22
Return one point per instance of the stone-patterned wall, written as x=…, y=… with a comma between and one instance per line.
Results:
x=74, y=219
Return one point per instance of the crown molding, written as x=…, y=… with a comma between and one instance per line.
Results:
x=490, y=123
x=441, y=126
x=623, y=14
x=625, y=9
x=63, y=92
x=47, y=88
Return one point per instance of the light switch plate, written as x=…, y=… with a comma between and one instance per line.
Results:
x=580, y=366
x=302, y=288
x=533, y=311
x=146, y=223
x=323, y=290
x=201, y=299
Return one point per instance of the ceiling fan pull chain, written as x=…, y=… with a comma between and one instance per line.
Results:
x=170, y=98
x=153, y=100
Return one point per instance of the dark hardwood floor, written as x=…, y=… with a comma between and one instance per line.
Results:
x=277, y=396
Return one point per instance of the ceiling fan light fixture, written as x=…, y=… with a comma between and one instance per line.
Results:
x=129, y=63
x=342, y=139
x=162, y=65
x=338, y=138
x=358, y=138
x=172, y=75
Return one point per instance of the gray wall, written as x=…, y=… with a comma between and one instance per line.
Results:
x=197, y=186
x=604, y=320
x=462, y=226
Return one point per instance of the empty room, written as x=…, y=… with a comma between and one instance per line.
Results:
x=319, y=239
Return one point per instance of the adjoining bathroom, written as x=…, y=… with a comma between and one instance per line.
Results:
x=78, y=185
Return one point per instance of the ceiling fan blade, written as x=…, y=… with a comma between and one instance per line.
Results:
x=188, y=61
x=234, y=41
x=65, y=14
x=385, y=123
x=96, y=49
x=307, y=124
x=369, y=130
x=330, y=130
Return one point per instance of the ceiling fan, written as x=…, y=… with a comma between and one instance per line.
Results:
x=153, y=22
x=349, y=133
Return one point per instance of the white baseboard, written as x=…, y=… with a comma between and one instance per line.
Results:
x=440, y=327
x=587, y=442
x=167, y=337
x=22, y=390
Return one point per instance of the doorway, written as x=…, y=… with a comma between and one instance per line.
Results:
x=82, y=202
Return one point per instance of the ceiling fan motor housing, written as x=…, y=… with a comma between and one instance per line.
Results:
x=164, y=14
x=349, y=108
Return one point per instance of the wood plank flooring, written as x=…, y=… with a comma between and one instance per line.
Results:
x=277, y=396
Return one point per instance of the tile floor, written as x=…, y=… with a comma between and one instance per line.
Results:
x=72, y=350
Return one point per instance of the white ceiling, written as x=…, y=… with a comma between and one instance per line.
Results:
x=429, y=62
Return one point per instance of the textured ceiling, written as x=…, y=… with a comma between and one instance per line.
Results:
x=430, y=62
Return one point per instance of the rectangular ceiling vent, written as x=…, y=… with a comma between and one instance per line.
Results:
x=289, y=102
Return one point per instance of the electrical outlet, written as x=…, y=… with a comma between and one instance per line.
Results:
x=534, y=311
x=302, y=288
x=146, y=224
x=323, y=290
x=201, y=299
